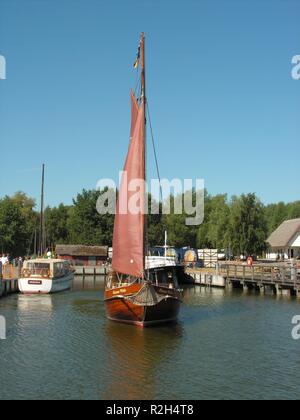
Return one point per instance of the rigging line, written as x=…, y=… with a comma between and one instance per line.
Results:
x=30, y=243
x=138, y=82
x=155, y=153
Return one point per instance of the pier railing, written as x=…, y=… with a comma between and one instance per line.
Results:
x=284, y=275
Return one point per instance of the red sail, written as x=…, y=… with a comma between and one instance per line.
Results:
x=128, y=241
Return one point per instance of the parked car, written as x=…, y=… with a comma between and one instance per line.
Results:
x=225, y=255
x=222, y=255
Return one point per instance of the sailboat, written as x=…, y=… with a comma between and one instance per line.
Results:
x=135, y=293
x=45, y=275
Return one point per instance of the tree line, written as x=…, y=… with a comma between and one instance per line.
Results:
x=239, y=223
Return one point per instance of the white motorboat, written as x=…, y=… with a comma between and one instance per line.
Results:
x=43, y=276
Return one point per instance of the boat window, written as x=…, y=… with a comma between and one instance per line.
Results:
x=38, y=266
x=58, y=269
x=38, y=269
x=66, y=265
x=61, y=268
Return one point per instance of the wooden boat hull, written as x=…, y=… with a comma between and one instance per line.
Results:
x=120, y=309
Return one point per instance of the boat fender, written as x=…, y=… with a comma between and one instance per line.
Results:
x=250, y=261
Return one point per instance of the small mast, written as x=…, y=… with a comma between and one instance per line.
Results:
x=42, y=233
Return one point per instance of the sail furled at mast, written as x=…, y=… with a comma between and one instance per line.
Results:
x=138, y=56
x=129, y=229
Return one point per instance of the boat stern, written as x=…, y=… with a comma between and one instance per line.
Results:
x=35, y=286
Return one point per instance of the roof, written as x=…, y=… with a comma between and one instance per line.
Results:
x=82, y=250
x=282, y=236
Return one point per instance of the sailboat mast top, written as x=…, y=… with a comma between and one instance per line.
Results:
x=143, y=69
x=42, y=213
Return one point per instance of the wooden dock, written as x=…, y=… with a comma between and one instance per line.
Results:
x=8, y=280
x=8, y=287
x=268, y=277
x=208, y=277
x=94, y=271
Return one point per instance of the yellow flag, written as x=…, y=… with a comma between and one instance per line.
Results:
x=137, y=61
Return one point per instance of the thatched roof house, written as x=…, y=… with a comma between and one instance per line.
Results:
x=83, y=254
x=286, y=239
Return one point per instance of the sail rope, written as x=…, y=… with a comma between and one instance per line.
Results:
x=155, y=153
x=137, y=85
x=146, y=296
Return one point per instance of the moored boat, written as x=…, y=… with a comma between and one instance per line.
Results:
x=140, y=290
x=44, y=276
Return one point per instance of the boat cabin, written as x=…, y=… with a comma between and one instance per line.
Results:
x=46, y=268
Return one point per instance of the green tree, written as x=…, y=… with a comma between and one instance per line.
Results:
x=56, y=225
x=293, y=210
x=248, y=228
x=179, y=234
x=217, y=222
x=86, y=226
x=14, y=228
x=202, y=234
x=27, y=206
x=275, y=215
x=156, y=223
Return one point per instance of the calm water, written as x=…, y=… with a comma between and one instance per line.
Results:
x=225, y=346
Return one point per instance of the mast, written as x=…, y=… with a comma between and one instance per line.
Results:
x=41, y=251
x=130, y=237
x=144, y=104
x=35, y=243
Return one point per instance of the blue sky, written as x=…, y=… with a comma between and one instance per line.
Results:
x=223, y=104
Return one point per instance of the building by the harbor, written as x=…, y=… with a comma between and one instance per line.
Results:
x=285, y=241
x=82, y=255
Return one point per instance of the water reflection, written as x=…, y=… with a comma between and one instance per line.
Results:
x=62, y=347
x=87, y=306
x=88, y=283
x=137, y=357
x=197, y=295
x=41, y=305
x=34, y=312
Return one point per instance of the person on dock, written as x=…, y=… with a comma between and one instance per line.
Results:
x=4, y=260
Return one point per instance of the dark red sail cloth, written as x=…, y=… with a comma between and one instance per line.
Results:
x=128, y=240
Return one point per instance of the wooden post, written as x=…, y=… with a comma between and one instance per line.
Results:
x=272, y=274
x=294, y=274
x=283, y=275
